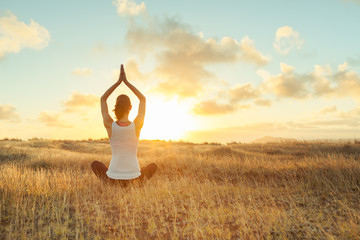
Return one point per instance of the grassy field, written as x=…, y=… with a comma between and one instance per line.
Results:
x=294, y=190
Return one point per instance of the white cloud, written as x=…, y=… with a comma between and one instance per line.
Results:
x=211, y=107
x=343, y=67
x=353, y=113
x=337, y=122
x=243, y=92
x=251, y=54
x=53, y=120
x=233, y=99
x=129, y=7
x=321, y=82
x=263, y=74
x=321, y=71
x=287, y=84
x=347, y=84
x=78, y=101
x=327, y=110
x=132, y=71
x=182, y=54
x=286, y=69
x=343, y=83
x=263, y=102
x=16, y=35
x=287, y=39
x=82, y=71
x=8, y=112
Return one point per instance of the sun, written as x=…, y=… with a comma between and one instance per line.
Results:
x=166, y=120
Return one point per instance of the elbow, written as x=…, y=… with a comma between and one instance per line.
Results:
x=103, y=98
x=143, y=99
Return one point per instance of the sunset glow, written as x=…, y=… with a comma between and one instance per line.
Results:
x=167, y=120
x=210, y=71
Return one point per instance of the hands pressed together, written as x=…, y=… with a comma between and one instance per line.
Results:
x=122, y=77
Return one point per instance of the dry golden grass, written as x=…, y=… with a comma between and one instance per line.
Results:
x=298, y=190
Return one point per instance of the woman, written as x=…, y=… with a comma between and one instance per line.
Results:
x=124, y=137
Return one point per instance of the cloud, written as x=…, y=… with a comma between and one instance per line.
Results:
x=287, y=39
x=78, y=101
x=351, y=122
x=332, y=116
x=343, y=67
x=243, y=92
x=75, y=103
x=321, y=82
x=82, y=71
x=132, y=71
x=180, y=75
x=287, y=84
x=53, y=120
x=322, y=85
x=8, y=112
x=341, y=84
x=348, y=84
x=328, y=110
x=211, y=107
x=251, y=54
x=298, y=130
x=182, y=54
x=16, y=35
x=349, y=114
x=239, y=97
x=263, y=102
x=129, y=7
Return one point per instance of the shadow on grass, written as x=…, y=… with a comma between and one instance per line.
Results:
x=7, y=156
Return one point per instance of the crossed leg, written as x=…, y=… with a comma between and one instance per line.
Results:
x=100, y=170
x=148, y=171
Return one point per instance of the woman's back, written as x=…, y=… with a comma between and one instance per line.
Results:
x=124, y=163
x=123, y=139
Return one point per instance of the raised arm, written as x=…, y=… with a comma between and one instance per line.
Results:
x=139, y=120
x=107, y=119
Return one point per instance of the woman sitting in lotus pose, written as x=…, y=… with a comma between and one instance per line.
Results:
x=124, y=138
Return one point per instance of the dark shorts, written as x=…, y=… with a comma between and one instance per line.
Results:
x=100, y=170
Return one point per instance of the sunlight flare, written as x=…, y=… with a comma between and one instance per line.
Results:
x=166, y=120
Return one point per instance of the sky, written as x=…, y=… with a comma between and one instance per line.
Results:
x=211, y=71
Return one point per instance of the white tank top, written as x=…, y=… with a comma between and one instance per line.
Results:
x=124, y=163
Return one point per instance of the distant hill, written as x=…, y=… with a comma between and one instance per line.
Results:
x=268, y=139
